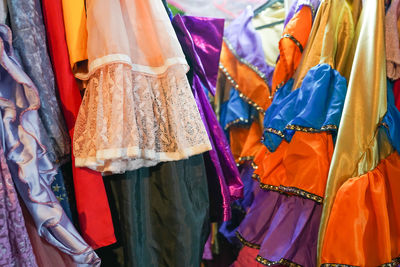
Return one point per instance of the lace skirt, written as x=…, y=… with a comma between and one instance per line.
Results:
x=130, y=120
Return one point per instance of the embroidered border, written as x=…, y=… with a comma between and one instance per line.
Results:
x=328, y=127
x=293, y=191
x=291, y=37
x=236, y=85
x=394, y=263
x=245, y=242
x=244, y=61
x=284, y=262
x=229, y=124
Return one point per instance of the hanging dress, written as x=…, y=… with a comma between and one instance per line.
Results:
x=91, y=199
x=30, y=168
x=138, y=109
x=361, y=217
x=299, y=128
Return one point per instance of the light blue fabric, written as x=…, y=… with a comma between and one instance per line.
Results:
x=317, y=103
x=392, y=119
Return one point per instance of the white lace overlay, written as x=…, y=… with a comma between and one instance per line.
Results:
x=130, y=120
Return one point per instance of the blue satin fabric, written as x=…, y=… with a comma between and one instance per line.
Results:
x=317, y=103
x=30, y=167
x=236, y=111
x=391, y=121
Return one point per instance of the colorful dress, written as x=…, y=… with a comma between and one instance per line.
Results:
x=299, y=133
x=138, y=109
x=361, y=217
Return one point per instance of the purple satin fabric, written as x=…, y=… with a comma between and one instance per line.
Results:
x=298, y=4
x=201, y=40
x=285, y=227
x=15, y=246
x=30, y=167
x=247, y=43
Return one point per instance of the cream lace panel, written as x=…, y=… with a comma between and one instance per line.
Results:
x=129, y=120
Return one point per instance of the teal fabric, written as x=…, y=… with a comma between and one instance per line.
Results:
x=160, y=215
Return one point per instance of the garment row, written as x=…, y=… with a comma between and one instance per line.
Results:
x=86, y=98
x=316, y=87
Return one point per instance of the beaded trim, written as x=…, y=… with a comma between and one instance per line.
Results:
x=256, y=177
x=274, y=131
x=245, y=242
x=328, y=127
x=229, y=124
x=394, y=263
x=244, y=61
x=293, y=191
x=241, y=95
x=291, y=37
x=241, y=159
x=283, y=262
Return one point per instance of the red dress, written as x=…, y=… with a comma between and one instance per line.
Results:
x=91, y=199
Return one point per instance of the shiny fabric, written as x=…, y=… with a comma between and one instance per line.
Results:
x=31, y=169
x=329, y=41
x=297, y=29
x=46, y=254
x=15, y=246
x=391, y=121
x=91, y=200
x=315, y=106
x=75, y=30
x=300, y=164
x=367, y=212
x=246, y=68
x=30, y=42
x=282, y=227
x=202, y=50
x=161, y=215
x=358, y=148
x=241, y=206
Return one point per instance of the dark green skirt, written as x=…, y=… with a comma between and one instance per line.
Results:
x=160, y=215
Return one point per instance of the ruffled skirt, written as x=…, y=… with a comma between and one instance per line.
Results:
x=130, y=120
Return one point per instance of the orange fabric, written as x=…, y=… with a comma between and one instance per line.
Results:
x=249, y=82
x=303, y=163
x=364, y=224
x=290, y=55
x=245, y=142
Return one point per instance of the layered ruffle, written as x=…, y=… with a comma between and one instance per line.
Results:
x=283, y=228
x=130, y=119
x=314, y=107
x=364, y=224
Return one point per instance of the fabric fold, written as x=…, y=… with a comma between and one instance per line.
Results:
x=30, y=167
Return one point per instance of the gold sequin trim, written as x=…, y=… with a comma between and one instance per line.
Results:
x=291, y=37
x=245, y=242
x=236, y=86
x=293, y=191
x=394, y=263
x=274, y=131
x=254, y=166
x=244, y=61
x=242, y=159
x=229, y=124
x=329, y=127
x=283, y=262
